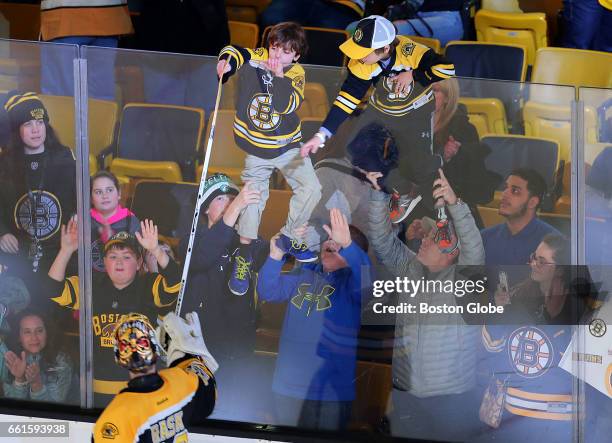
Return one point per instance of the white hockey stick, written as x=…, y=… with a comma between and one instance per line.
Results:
x=199, y=201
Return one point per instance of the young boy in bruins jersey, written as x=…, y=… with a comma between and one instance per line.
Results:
x=401, y=72
x=115, y=293
x=267, y=128
x=158, y=407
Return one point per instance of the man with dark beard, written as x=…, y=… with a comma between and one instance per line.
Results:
x=512, y=242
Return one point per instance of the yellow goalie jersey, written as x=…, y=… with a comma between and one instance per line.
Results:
x=158, y=408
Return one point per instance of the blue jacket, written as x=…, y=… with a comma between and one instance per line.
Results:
x=317, y=352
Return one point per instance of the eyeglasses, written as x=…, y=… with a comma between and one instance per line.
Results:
x=539, y=261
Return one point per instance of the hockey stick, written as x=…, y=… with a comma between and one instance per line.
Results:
x=199, y=201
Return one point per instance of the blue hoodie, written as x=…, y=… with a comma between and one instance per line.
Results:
x=318, y=344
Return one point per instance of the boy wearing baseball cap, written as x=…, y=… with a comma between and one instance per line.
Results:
x=401, y=72
x=117, y=292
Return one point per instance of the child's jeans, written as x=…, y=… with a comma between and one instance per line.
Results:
x=300, y=176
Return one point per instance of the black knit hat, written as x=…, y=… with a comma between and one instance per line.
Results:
x=217, y=184
x=23, y=107
x=374, y=149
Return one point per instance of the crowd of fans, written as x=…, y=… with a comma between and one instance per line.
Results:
x=342, y=232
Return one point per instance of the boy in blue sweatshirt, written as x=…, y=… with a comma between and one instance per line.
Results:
x=315, y=368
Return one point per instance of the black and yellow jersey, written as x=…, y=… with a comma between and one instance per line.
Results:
x=266, y=123
x=427, y=67
x=158, y=408
x=151, y=294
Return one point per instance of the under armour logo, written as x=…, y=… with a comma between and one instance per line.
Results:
x=425, y=134
x=321, y=300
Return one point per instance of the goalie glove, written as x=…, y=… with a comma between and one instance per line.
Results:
x=179, y=337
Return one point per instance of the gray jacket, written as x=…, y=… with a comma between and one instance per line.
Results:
x=434, y=354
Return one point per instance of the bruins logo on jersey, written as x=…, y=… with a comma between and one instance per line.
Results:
x=531, y=351
x=259, y=52
x=109, y=431
x=408, y=49
x=262, y=114
x=104, y=326
x=389, y=87
x=298, y=82
x=41, y=219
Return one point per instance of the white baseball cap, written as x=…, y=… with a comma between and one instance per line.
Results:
x=372, y=33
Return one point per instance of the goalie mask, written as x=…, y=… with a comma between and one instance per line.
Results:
x=136, y=347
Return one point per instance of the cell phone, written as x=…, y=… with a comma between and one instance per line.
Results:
x=503, y=281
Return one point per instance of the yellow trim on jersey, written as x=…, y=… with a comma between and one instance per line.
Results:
x=70, y=294
x=444, y=71
x=425, y=97
x=233, y=52
x=539, y=397
x=539, y=414
x=108, y=387
x=258, y=54
x=263, y=140
x=167, y=289
x=295, y=72
x=343, y=107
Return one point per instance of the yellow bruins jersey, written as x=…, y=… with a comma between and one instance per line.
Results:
x=427, y=67
x=158, y=408
x=266, y=123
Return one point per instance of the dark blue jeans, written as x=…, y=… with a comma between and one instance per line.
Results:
x=308, y=13
x=588, y=25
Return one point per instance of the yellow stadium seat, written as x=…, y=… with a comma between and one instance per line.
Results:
x=275, y=214
x=226, y=156
x=243, y=34
x=135, y=169
x=432, y=43
x=490, y=216
x=575, y=67
x=102, y=118
x=528, y=30
x=316, y=102
x=245, y=10
x=554, y=122
x=486, y=114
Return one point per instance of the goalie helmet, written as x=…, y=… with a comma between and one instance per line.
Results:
x=136, y=347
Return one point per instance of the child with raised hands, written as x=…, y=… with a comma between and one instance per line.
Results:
x=267, y=128
x=117, y=292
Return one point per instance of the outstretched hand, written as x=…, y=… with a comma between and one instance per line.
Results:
x=149, y=237
x=69, y=240
x=311, y=146
x=443, y=190
x=339, y=231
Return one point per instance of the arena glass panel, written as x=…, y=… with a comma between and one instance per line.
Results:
x=145, y=143
x=592, y=359
x=41, y=338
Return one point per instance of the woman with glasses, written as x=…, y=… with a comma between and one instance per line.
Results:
x=526, y=395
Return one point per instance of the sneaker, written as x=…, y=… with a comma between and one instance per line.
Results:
x=445, y=237
x=401, y=205
x=299, y=250
x=241, y=274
